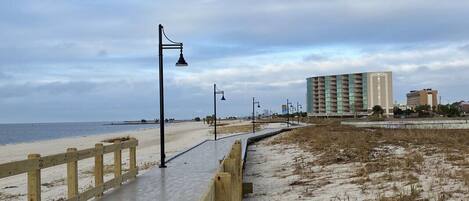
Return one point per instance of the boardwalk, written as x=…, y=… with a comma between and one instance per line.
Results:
x=187, y=175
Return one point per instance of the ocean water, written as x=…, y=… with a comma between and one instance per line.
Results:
x=28, y=132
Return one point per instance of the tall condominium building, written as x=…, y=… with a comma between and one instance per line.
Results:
x=422, y=97
x=349, y=94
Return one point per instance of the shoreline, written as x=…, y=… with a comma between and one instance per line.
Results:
x=89, y=134
x=87, y=141
x=178, y=137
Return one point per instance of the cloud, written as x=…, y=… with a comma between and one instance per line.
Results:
x=421, y=67
x=97, y=60
x=465, y=47
x=315, y=57
x=47, y=89
x=4, y=76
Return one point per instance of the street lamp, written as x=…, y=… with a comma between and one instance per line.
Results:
x=181, y=62
x=298, y=107
x=215, y=92
x=253, y=114
x=289, y=104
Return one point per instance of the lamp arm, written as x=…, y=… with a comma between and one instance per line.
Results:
x=164, y=34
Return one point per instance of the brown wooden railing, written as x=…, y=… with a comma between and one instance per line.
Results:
x=227, y=184
x=35, y=163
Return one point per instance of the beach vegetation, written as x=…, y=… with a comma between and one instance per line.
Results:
x=388, y=161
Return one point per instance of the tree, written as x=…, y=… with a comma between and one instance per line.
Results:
x=378, y=110
x=449, y=110
x=407, y=112
x=423, y=110
x=397, y=111
x=209, y=119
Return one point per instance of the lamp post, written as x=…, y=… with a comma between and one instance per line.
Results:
x=215, y=92
x=298, y=107
x=289, y=104
x=180, y=62
x=253, y=114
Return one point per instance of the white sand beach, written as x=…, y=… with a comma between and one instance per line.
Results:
x=179, y=136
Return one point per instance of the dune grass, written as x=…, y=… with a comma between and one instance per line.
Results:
x=385, y=157
x=230, y=129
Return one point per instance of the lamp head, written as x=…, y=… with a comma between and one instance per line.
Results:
x=181, y=62
x=258, y=106
x=223, y=97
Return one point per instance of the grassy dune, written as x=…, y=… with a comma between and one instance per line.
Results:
x=386, y=164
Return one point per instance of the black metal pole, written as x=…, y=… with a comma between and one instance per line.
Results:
x=162, y=163
x=215, y=109
x=288, y=114
x=253, y=117
x=298, y=111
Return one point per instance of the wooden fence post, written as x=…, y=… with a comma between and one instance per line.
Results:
x=98, y=169
x=229, y=166
x=34, y=181
x=239, y=169
x=133, y=157
x=223, y=187
x=233, y=166
x=118, y=162
x=72, y=173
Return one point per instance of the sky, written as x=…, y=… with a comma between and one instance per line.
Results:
x=88, y=60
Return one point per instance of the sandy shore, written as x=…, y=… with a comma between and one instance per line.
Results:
x=286, y=167
x=179, y=136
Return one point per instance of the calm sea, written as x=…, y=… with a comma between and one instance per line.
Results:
x=16, y=133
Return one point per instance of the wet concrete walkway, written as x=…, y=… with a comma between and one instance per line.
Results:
x=187, y=176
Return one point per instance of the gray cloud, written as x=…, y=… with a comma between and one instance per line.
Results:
x=4, y=76
x=315, y=57
x=97, y=60
x=465, y=47
x=47, y=89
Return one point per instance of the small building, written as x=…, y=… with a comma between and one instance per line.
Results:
x=422, y=97
x=349, y=94
x=464, y=106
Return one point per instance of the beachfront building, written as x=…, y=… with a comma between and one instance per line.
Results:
x=349, y=94
x=422, y=97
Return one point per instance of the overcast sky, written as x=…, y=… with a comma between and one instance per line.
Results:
x=97, y=60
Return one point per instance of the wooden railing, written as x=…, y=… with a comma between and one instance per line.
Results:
x=35, y=163
x=227, y=184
